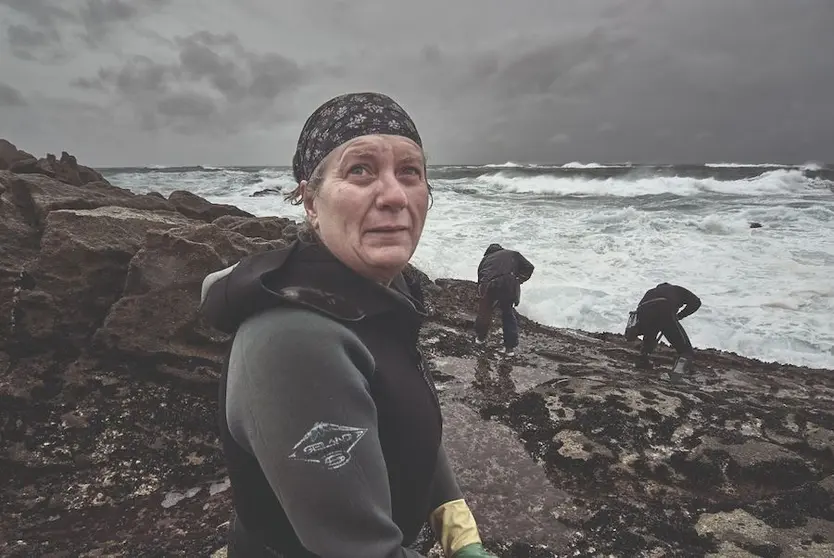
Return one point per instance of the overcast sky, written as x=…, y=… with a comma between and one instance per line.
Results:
x=142, y=82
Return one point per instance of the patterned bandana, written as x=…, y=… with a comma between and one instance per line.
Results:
x=346, y=117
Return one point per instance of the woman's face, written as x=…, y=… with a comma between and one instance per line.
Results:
x=371, y=206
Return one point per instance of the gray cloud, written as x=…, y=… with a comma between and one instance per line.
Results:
x=486, y=81
x=186, y=104
x=42, y=12
x=138, y=75
x=36, y=36
x=97, y=17
x=101, y=12
x=215, y=84
x=10, y=97
x=24, y=40
x=47, y=29
x=687, y=83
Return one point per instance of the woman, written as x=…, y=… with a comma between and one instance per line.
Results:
x=330, y=425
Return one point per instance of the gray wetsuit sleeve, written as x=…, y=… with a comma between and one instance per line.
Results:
x=298, y=399
x=444, y=486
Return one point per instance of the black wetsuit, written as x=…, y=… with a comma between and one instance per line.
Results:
x=330, y=425
x=658, y=312
x=500, y=275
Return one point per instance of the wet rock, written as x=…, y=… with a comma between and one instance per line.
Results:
x=36, y=195
x=420, y=279
x=820, y=439
x=268, y=228
x=266, y=192
x=742, y=534
x=291, y=231
x=643, y=460
x=163, y=287
x=20, y=239
x=765, y=464
x=23, y=379
x=18, y=245
x=108, y=464
x=508, y=489
x=80, y=270
x=195, y=207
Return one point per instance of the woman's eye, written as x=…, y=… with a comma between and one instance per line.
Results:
x=412, y=170
x=357, y=169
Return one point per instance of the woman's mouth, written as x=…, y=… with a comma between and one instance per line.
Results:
x=391, y=229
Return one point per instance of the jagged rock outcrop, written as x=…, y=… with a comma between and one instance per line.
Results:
x=66, y=169
x=108, y=393
x=10, y=155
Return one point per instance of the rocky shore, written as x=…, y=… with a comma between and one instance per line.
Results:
x=108, y=383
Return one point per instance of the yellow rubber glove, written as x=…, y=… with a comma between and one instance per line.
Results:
x=474, y=550
x=455, y=527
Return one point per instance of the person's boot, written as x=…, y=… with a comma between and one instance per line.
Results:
x=643, y=362
x=680, y=369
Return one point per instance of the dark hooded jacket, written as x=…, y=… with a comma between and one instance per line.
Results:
x=498, y=262
x=502, y=272
x=674, y=296
x=329, y=422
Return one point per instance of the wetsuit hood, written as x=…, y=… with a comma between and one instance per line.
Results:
x=495, y=247
x=302, y=274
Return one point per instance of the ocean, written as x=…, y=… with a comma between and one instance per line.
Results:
x=600, y=235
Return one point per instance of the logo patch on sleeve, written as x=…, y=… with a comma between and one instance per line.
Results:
x=327, y=444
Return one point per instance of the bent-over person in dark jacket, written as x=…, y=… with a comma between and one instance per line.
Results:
x=500, y=275
x=659, y=311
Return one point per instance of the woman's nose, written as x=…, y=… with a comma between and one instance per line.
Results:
x=391, y=192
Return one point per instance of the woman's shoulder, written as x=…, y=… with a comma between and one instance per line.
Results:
x=290, y=324
x=299, y=337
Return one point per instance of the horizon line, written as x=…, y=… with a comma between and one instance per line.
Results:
x=508, y=164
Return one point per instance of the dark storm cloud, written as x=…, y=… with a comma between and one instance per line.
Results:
x=101, y=12
x=36, y=36
x=139, y=75
x=23, y=38
x=691, y=82
x=10, y=97
x=97, y=17
x=186, y=104
x=47, y=26
x=237, y=73
x=214, y=84
x=742, y=86
x=560, y=67
x=45, y=13
x=515, y=97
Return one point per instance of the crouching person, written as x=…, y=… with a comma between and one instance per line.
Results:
x=659, y=314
